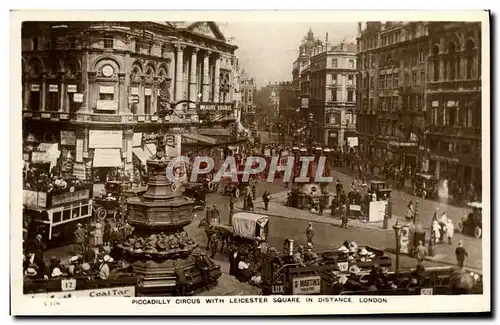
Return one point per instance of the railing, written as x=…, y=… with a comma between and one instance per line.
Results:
x=456, y=85
x=105, y=118
x=455, y=130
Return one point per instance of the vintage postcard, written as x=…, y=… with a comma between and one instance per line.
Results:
x=244, y=163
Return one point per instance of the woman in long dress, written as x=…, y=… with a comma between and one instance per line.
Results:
x=436, y=230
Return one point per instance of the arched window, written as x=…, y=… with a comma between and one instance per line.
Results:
x=469, y=59
x=452, y=62
x=435, y=53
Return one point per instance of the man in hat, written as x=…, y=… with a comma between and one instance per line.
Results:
x=181, y=280
x=461, y=254
x=297, y=256
x=338, y=188
x=309, y=256
x=215, y=215
x=420, y=252
x=74, y=266
x=104, y=267
x=310, y=234
x=80, y=238
x=266, y=197
x=322, y=204
x=250, y=199
x=343, y=215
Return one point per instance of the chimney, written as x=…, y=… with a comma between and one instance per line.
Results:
x=359, y=28
x=326, y=39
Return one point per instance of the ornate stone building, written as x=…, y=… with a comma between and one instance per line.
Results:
x=391, y=91
x=248, y=90
x=94, y=87
x=332, y=96
x=453, y=131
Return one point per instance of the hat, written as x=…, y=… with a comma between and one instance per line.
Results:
x=31, y=272
x=111, y=260
x=106, y=258
x=350, y=258
x=85, y=266
x=309, y=245
x=326, y=150
x=343, y=249
x=300, y=248
x=73, y=259
x=363, y=252
x=79, y=225
x=258, y=238
x=353, y=245
x=98, y=226
x=38, y=236
x=383, y=270
x=354, y=269
x=343, y=279
x=56, y=272
x=371, y=255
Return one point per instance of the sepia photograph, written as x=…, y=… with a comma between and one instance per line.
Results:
x=250, y=164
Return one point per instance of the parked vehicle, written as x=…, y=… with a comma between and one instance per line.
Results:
x=472, y=224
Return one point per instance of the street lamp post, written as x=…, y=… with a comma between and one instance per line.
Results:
x=310, y=124
x=397, y=234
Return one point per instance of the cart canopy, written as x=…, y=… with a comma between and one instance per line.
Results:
x=476, y=205
x=246, y=224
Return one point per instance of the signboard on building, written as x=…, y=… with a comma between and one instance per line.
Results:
x=53, y=88
x=78, y=98
x=169, y=139
x=216, y=107
x=79, y=150
x=35, y=87
x=72, y=89
x=128, y=291
x=68, y=138
x=105, y=139
x=352, y=141
x=306, y=285
x=107, y=105
x=304, y=102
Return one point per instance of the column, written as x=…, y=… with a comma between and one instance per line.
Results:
x=178, y=71
x=206, y=80
x=124, y=79
x=43, y=89
x=217, y=79
x=127, y=147
x=62, y=99
x=170, y=73
x=84, y=108
x=441, y=70
x=193, y=93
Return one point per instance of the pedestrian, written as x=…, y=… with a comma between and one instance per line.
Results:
x=443, y=221
x=104, y=267
x=254, y=188
x=322, y=204
x=461, y=254
x=97, y=235
x=266, y=197
x=215, y=215
x=181, y=280
x=450, y=230
x=436, y=231
x=106, y=237
x=409, y=211
x=343, y=215
x=208, y=214
x=420, y=252
x=250, y=199
x=338, y=187
x=310, y=233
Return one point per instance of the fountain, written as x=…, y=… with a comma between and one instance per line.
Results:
x=159, y=243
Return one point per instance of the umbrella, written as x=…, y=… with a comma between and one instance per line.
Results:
x=461, y=281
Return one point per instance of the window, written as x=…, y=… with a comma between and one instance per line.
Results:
x=53, y=43
x=407, y=79
x=72, y=42
x=35, y=43
x=106, y=93
x=435, y=52
x=372, y=84
x=52, y=103
x=422, y=77
x=351, y=63
x=334, y=95
x=350, y=79
x=137, y=46
x=163, y=50
x=469, y=59
x=147, y=100
x=421, y=57
x=414, y=78
x=334, y=62
x=34, y=99
x=150, y=47
x=395, y=80
x=350, y=96
x=108, y=42
x=73, y=106
x=334, y=78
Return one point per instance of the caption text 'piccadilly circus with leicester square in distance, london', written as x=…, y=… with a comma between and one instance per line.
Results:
x=186, y=160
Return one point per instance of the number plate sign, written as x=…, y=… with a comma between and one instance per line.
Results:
x=343, y=266
x=68, y=284
x=426, y=291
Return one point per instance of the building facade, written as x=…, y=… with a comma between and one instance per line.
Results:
x=391, y=91
x=453, y=128
x=419, y=97
x=332, y=93
x=248, y=90
x=93, y=87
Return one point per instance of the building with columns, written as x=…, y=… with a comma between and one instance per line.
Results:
x=248, y=90
x=332, y=97
x=93, y=88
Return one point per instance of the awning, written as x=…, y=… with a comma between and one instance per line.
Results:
x=200, y=138
x=142, y=154
x=107, y=158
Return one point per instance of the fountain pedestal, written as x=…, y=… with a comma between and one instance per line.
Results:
x=159, y=243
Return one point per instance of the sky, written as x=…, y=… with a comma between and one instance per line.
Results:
x=267, y=50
